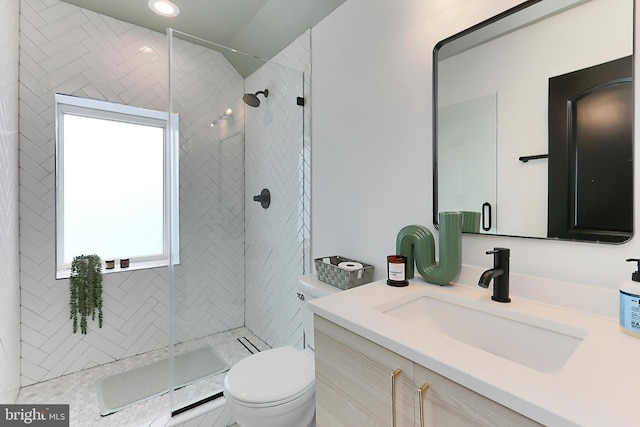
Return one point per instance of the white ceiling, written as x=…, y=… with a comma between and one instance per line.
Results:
x=258, y=27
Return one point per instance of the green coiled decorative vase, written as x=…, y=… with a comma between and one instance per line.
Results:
x=417, y=243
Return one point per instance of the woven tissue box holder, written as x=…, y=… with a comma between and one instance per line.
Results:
x=329, y=272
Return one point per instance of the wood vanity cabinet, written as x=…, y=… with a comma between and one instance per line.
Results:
x=447, y=403
x=356, y=386
x=354, y=381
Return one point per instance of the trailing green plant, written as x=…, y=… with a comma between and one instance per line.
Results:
x=85, y=288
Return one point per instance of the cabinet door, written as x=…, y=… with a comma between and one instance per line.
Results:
x=354, y=381
x=447, y=403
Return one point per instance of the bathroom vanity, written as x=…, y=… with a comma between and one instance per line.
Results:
x=353, y=384
x=436, y=356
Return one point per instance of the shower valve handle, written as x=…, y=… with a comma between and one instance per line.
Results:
x=264, y=198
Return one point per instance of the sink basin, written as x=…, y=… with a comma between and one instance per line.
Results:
x=535, y=342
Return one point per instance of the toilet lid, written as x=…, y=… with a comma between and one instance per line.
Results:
x=270, y=376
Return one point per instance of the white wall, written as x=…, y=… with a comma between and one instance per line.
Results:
x=371, y=130
x=9, y=267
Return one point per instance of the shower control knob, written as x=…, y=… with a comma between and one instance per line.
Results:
x=300, y=296
x=264, y=198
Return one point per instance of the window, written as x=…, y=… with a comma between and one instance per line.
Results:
x=112, y=189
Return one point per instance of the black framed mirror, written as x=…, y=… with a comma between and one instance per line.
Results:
x=495, y=103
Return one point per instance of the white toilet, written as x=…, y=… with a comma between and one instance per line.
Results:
x=276, y=388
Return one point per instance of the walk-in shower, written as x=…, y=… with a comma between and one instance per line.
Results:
x=239, y=263
x=230, y=285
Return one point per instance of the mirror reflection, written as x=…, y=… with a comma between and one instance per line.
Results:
x=533, y=114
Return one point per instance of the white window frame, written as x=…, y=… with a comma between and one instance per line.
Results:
x=92, y=108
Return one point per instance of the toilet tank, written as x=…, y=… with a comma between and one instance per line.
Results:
x=310, y=288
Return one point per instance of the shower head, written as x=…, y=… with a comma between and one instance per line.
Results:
x=251, y=99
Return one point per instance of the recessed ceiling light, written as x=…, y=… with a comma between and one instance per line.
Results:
x=164, y=7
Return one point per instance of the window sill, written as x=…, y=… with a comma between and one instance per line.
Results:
x=140, y=265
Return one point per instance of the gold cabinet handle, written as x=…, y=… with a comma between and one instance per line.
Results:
x=394, y=375
x=421, y=392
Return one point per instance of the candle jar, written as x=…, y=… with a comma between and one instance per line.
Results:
x=109, y=264
x=396, y=270
x=124, y=263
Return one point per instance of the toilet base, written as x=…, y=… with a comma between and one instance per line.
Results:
x=312, y=423
x=300, y=412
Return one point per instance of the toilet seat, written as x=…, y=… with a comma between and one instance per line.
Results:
x=290, y=375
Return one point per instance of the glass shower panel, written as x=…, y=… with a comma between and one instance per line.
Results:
x=208, y=292
x=274, y=245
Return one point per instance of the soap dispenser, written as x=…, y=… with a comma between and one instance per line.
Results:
x=630, y=303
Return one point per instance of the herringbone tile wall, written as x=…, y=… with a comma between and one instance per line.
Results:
x=209, y=282
x=298, y=57
x=9, y=249
x=73, y=51
x=277, y=158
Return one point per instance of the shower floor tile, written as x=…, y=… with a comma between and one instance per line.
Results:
x=80, y=392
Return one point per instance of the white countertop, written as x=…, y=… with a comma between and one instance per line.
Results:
x=598, y=386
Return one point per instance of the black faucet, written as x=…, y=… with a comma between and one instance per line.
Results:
x=500, y=274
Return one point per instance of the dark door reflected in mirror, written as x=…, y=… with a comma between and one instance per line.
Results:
x=493, y=110
x=591, y=133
